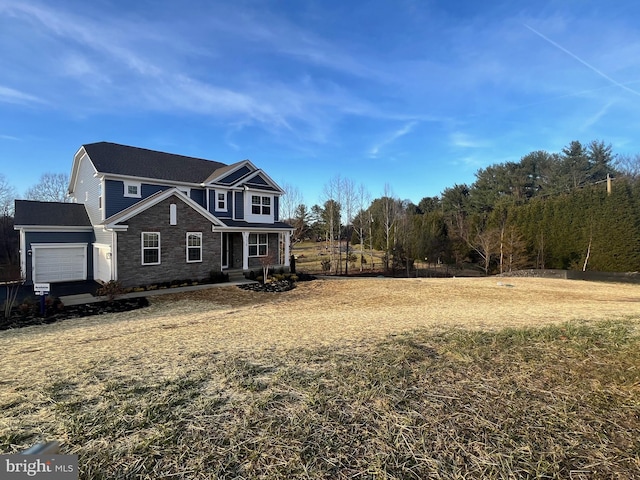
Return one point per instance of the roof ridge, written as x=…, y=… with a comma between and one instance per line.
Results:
x=151, y=150
x=126, y=160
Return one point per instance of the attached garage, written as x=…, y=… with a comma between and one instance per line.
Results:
x=59, y=262
x=55, y=241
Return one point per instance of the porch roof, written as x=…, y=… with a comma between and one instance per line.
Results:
x=241, y=224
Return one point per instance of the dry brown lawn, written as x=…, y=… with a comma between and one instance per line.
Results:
x=323, y=312
x=96, y=382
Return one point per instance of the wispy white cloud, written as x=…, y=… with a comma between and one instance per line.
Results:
x=584, y=62
x=469, y=162
x=11, y=95
x=124, y=64
x=104, y=37
x=10, y=138
x=392, y=137
x=593, y=120
x=463, y=140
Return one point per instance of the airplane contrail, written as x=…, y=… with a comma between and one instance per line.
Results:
x=591, y=67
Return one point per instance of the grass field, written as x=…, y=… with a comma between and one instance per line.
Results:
x=359, y=378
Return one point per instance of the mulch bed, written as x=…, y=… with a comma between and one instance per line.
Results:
x=278, y=286
x=55, y=313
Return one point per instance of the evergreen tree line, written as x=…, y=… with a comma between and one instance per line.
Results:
x=576, y=209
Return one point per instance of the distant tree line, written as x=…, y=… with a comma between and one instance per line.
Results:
x=549, y=210
x=576, y=209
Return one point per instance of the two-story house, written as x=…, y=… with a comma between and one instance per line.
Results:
x=140, y=216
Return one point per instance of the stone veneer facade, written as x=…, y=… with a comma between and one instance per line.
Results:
x=173, y=243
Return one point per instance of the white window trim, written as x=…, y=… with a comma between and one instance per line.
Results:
x=199, y=235
x=186, y=191
x=261, y=217
x=128, y=184
x=215, y=199
x=142, y=249
x=262, y=205
x=257, y=244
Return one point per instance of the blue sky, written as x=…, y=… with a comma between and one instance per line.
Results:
x=415, y=94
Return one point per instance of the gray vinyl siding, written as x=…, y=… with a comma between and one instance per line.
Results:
x=239, y=205
x=87, y=190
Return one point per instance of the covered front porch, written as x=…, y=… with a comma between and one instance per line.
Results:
x=251, y=250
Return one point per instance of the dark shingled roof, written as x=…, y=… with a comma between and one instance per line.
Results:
x=51, y=214
x=139, y=162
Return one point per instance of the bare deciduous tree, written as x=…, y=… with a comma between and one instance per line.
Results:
x=349, y=199
x=52, y=187
x=362, y=221
x=628, y=165
x=7, y=196
x=486, y=245
x=266, y=262
x=332, y=192
x=8, y=236
x=290, y=201
x=389, y=217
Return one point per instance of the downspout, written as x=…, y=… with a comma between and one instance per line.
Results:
x=114, y=255
x=23, y=254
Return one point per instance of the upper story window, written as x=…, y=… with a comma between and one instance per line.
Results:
x=221, y=201
x=260, y=205
x=132, y=189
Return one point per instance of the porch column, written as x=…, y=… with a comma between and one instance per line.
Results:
x=286, y=239
x=245, y=250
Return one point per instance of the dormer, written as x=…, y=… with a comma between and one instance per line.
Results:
x=244, y=192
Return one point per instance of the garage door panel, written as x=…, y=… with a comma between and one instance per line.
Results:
x=59, y=264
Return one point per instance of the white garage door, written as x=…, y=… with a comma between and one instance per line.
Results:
x=63, y=262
